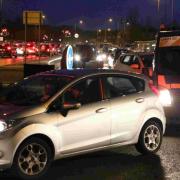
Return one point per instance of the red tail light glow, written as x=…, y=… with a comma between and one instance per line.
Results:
x=8, y=48
x=163, y=94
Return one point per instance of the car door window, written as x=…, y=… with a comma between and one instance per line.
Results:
x=126, y=60
x=85, y=92
x=117, y=86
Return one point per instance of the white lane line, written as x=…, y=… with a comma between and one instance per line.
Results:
x=53, y=60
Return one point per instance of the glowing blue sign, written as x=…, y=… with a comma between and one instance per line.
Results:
x=69, y=58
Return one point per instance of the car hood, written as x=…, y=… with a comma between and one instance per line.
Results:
x=10, y=111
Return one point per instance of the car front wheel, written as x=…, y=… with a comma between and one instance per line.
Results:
x=33, y=158
x=150, y=138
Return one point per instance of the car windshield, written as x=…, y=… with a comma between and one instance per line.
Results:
x=169, y=61
x=34, y=90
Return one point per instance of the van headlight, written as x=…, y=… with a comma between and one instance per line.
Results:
x=165, y=97
x=77, y=57
x=3, y=126
x=101, y=57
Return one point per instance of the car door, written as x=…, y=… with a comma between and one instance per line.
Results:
x=89, y=126
x=128, y=103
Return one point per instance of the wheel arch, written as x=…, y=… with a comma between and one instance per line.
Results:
x=43, y=137
x=40, y=131
x=151, y=115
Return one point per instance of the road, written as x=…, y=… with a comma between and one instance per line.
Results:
x=122, y=163
x=29, y=59
x=11, y=70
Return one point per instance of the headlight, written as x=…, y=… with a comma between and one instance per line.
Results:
x=99, y=58
x=165, y=97
x=77, y=57
x=104, y=56
x=3, y=126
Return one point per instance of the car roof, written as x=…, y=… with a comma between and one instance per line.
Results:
x=77, y=73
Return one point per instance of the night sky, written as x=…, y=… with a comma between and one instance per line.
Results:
x=94, y=12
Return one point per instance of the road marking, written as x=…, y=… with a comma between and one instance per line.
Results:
x=53, y=60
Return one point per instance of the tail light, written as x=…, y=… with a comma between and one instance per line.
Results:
x=8, y=48
x=48, y=50
x=163, y=94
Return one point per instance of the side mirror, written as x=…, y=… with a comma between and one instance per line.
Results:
x=134, y=66
x=71, y=106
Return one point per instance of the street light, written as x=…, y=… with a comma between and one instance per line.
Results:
x=43, y=16
x=81, y=22
x=110, y=20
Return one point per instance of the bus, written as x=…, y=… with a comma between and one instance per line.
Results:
x=166, y=70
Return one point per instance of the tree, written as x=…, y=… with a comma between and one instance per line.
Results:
x=133, y=16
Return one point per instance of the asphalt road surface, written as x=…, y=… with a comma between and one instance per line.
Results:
x=11, y=70
x=122, y=163
x=30, y=59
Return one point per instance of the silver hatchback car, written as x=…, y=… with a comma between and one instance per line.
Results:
x=64, y=113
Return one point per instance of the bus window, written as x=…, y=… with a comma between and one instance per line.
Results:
x=169, y=61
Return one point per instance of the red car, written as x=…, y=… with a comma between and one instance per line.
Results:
x=31, y=48
x=7, y=50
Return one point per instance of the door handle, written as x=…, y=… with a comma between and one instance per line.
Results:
x=140, y=100
x=101, y=110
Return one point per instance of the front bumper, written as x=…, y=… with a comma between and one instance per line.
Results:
x=6, y=153
x=4, y=165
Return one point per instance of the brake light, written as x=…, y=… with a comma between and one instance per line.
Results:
x=163, y=94
x=153, y=88
x=165, y=97
x=48, y=50
x=8, y=48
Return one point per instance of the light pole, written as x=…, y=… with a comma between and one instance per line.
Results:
x=110, y=20
x=172, y=9
x=75, y=26
x=80, y=22
x=1, y=14
x=98, y=32
x=158, y=5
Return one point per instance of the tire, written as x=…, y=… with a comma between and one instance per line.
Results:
x=149, y=142
x=35, y=151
